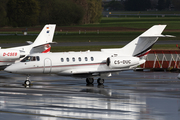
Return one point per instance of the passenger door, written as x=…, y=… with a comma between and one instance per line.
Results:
x=47, y=65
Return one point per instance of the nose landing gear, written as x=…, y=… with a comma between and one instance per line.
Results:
x=27, y=82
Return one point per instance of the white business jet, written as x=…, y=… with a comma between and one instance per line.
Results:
x=90, y=64
x=41, y=44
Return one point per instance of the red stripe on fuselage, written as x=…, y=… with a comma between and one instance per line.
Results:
x=68, y=65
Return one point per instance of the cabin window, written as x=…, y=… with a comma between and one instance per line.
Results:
x=79, y=58
x=62, y=59
x=92, y=59
x=86, y=59
x=67, y=59
x=73, y=59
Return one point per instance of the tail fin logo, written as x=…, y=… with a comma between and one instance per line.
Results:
x=47, y=48
x=47, y=29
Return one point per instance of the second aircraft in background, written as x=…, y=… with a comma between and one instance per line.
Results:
x=9, y=56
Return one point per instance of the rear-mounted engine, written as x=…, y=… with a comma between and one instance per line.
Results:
x=122, y=62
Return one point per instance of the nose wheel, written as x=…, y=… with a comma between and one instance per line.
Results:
x=27, y=82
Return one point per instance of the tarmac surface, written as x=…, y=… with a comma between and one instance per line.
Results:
x=129, y=95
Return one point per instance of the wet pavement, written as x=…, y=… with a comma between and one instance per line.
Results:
x=129, y=95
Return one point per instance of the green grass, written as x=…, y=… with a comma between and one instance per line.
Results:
x=129, y=22
x=82, y=48
x=104, y=36
x=98, y=48
x=145, y=12
x=93, y=37
x=135, y=22
x=141, y=24
x=16, y=39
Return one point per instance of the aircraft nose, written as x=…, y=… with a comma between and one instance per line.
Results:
x=10, y=69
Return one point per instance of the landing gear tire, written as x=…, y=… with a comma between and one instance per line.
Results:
x=27, y=83
x=89, y=80
x=100, y=81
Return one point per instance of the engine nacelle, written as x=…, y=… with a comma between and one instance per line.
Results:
x=122, y=62
x=6, y=54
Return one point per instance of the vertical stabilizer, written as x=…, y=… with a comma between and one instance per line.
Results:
x=143, y=43
x=46, y=35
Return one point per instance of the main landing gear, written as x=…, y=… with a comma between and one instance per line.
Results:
x=27, y=82
x=89, y=80
x=100, y=81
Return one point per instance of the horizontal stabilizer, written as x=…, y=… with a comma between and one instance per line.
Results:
x=45, y=44
x=29, y=42
x=156, y=36
x=154, y=30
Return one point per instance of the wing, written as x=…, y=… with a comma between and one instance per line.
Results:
x=82, y=73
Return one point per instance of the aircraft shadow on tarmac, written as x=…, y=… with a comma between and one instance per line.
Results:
x=3, y=77
x=97, y=90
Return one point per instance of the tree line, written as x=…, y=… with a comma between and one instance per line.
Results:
x=142, y=5
x=24, y=13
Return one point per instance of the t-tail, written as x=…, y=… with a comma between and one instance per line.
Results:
x=142, y=44
x=44, y=39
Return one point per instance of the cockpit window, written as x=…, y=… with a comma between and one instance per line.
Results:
x=26, y=59
x=33, y=58
x=30, y=58
x=37, y=57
